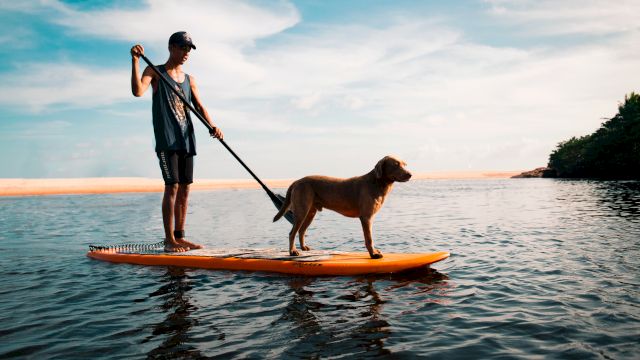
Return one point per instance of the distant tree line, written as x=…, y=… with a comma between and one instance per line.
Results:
x=612, y=152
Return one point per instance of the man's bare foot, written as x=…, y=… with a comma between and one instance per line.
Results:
x=174, y=246
x=183, y=242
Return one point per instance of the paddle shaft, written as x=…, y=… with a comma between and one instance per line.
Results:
x=207, y=125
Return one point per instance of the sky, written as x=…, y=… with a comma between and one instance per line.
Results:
x=314, y=87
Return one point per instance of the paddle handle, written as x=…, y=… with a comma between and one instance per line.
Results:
x=206, y=124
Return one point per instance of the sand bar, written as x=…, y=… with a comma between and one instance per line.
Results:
x=34, y=187
x=466, y=175
x=27, y=187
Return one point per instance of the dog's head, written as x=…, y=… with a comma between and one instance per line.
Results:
x=391, y=168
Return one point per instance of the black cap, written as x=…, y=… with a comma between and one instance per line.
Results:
x=181, y=38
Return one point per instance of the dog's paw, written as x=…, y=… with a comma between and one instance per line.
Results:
x=305, y=248
x=294, y=253
x=376, y=255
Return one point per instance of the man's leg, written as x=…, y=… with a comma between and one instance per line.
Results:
x=185, y=174
x=168, y=205
x=169, y=167
x=182, y=202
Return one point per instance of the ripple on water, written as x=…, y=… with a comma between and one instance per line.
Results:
x=540, y=268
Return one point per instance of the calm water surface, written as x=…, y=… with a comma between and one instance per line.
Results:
x=539, y=269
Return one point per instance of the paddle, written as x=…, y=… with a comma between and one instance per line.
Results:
x=277, y=199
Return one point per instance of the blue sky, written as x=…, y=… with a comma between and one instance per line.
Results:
x=314, y=87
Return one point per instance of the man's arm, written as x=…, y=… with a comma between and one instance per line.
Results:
x=139, y=84
x=197, y=104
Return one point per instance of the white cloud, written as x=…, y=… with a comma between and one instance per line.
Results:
x=414, y=84
x=419, y=81
x=216, y=21
x=221, y=30
x=27, y=6
x=590, y=17
x=38, y=86
x=17, y=39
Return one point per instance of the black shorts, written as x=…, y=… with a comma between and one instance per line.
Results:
x=176, y=166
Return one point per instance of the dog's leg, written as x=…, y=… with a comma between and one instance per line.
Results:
x=303, y=229
x=292, y=237
x=302, y=201
x=368, y=240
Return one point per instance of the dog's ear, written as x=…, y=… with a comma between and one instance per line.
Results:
x=379, y=169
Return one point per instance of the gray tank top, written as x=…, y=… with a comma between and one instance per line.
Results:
x=172, y=124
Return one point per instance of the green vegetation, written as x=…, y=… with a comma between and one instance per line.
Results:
x=612, y=152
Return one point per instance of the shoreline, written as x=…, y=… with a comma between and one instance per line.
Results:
x=111, y=185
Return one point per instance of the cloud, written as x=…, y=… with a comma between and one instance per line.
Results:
x=37, y=86
x=437, y=75
x=587, y=17
x=25, y=36
x=26, y=6
x=414, y=83
x=348, y=58
x=221, y=30
x=216, y=21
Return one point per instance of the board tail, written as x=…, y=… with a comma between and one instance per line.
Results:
x=285, y=205
x=128, y=247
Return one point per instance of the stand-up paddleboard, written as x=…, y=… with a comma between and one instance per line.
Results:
x=272, y=260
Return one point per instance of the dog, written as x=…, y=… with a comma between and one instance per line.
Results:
x=357, y=197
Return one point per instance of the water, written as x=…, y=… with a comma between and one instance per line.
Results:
x=540, y=268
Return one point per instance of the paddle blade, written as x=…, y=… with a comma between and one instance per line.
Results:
x=278, y=201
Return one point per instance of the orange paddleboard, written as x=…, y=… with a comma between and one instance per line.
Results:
x=270, y=260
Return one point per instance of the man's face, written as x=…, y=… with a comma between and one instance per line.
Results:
x=179, y=53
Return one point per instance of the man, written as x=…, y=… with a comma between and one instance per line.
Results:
x=174, y=134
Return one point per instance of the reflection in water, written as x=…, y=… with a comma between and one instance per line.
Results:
x=371, y=334
x=622, y=197
x=324, y=316
x=178, y=322
x=300, y=312
x=350, y=323
x=426, y=281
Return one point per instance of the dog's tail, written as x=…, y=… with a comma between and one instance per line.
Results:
x=285, y=205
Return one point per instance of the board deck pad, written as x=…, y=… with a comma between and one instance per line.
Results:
x=313, y=262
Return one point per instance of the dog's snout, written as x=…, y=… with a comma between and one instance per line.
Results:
x=404, y=176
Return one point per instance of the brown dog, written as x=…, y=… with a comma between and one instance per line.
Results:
x=360, y=196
